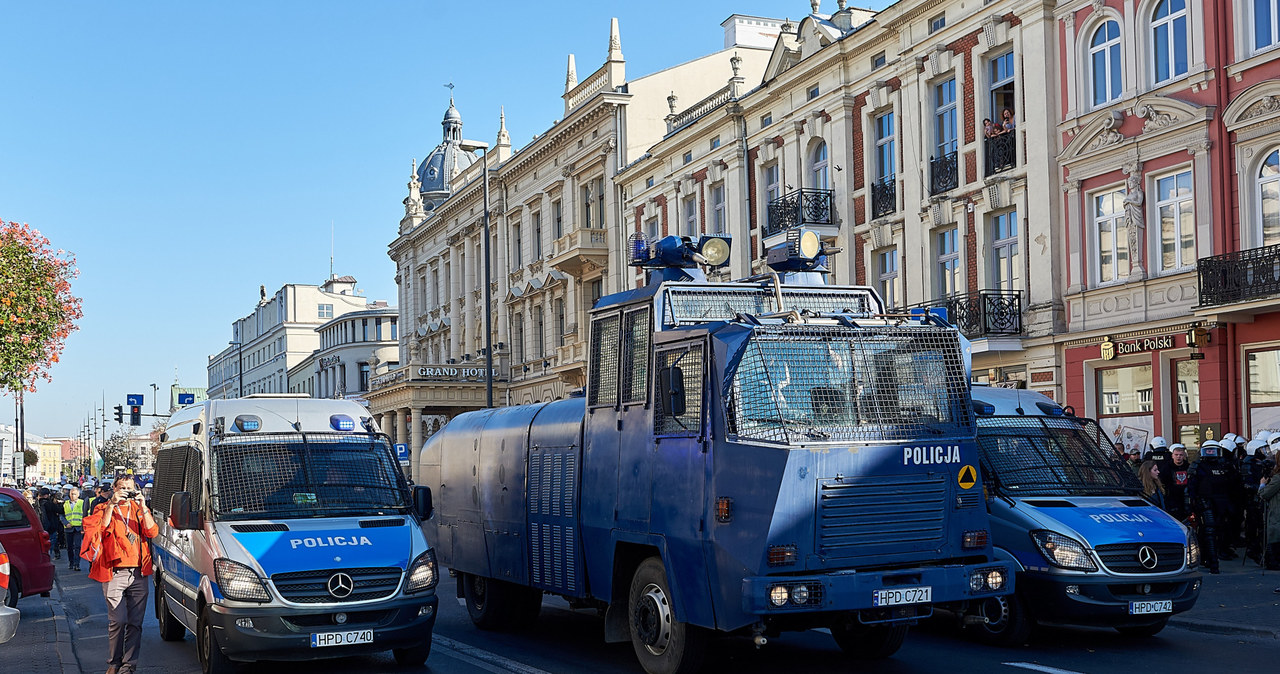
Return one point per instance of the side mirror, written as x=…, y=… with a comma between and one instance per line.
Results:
x=671, y=391
x=422, y=505
x=182, y=515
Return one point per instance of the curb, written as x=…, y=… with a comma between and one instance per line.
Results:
x=62, y=630
x=1223, y=627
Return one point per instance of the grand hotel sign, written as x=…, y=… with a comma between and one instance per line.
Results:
x=425, y=373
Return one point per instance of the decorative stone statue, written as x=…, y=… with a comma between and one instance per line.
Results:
x=1135, y=222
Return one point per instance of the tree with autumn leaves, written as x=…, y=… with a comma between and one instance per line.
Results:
x=37, y=310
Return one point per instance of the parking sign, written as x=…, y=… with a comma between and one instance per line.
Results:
x=402, y=452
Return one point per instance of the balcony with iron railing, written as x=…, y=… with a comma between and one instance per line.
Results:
x=810, y=208
x=944, y=173
x=983, y=314
x=1001, y=152
x=884, y=196
x=1241, y=276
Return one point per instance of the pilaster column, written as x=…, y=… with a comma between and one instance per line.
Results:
x=392, y=429
x=415, y=444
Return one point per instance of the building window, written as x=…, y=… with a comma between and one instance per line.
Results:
x=435, y=286
x=937, y=23
x=597, y=290
x=364, y=376
x=813, y=92
x=1264, y=389
x=717, y=210
x=364, y=329
x=537, y=236
x=517, y=338
x=539, y=334
x=1175, y=208
x=885, y=163
x=394, y=333
x=1267, y=232
x=945, y=117
x=878, y=61
x=766, y=120
x=690, y=209
x=324, y=311
x=1111, y=235
x=557, y=219
x=715, y=142
x=1005, y=272
x=648, y=182
x=558, y=307
x=887, y=271
x=1104, y=63
x=772, y=185
x=651, y=228
x=819, y=173
x=516, y=245
x=948, y=262
x=1124, y=406
x=1169, y=38
x=1002, y=89
x=688, y=157
x=377, y=325
x=1266, y=23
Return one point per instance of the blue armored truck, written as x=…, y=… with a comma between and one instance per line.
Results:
x=751, y=457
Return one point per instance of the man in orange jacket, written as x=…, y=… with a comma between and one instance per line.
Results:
x=117, y=532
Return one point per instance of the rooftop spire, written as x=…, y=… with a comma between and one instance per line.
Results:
x=571, y=76
x=615, y=42
x=503, y=137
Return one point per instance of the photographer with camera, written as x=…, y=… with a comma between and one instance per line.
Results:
x=115, y=542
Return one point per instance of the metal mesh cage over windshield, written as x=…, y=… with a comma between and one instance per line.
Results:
x=798, y=384
x=602, y=386
x=700, y=304
x=1051, y=456
x=295, y=474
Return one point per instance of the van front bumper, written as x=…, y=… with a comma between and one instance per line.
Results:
x=284, y=633
x=1102, y=600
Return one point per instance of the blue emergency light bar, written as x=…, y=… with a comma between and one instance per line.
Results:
x=342, y=422
x=248, y=423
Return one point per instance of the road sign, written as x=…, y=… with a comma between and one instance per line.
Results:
x=133, y=399
x=402, y=452
x=186, y=398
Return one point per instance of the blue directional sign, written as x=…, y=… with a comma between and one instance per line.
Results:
x=186, y=398
x=133, y=399
x=402, y=452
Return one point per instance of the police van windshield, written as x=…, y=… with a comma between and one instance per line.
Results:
x=305, y=475
x=1051, y=456
x=804, y=384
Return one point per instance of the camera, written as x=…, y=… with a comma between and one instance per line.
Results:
x=132, y=494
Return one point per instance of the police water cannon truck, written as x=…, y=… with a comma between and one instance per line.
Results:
x=752, y=457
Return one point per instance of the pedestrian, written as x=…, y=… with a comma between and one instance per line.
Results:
x=1214, y=482
x=1253, y=472
x=51, y=517
x=104, y=493
x=1176, y=476
x=118, y=532
x=1152, y=487
x=73, y=511
x=1269, y=493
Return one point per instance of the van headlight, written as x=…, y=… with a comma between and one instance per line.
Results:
x=422, y=573
x=1063, y=551
x=1193, y=551
x=239, y=582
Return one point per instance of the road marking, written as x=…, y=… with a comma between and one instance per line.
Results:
x=484, y=659
x=1041, y=668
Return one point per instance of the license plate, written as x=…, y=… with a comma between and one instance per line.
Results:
x=902, y=595
x=1144, y=607
x=322, y=639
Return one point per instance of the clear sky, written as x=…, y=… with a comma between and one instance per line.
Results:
x=188, y=153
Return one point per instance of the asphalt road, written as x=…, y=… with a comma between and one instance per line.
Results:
x=567, y=641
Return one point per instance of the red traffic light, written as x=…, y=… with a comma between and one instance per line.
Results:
x=135, y=415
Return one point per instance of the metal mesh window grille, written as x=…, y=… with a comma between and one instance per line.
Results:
x=171, y=469
x=303, y=475
x=636, y=331
x=799, y=384
x=1051, y=456
x=689, y=361
x=194, y=481
x=699, y=305
x=602, y=388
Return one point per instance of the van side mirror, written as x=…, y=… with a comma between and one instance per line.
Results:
x=671, y=391
x=422, y=505
x=182, y=515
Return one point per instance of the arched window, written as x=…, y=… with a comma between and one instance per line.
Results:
x=1104, y=62
x=1269, y=200
x=821, y=176
x=1169, y=39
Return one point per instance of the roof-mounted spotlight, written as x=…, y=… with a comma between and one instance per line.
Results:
x=803, y=257
x=714, y=249
x=677, y=258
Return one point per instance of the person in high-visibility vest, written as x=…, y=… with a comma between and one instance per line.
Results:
x=74, y=510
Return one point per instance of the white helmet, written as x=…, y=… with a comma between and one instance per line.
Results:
x=1274, y=441
x=1228, y=443
x=1264, y=436
x=1210, y=448
x=1177, y=446
x=1255, y=447
x=1159, y=442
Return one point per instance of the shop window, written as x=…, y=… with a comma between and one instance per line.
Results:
x=1264, y=389
x=1004, y=377
x=1125, y=403
x=1186, y=401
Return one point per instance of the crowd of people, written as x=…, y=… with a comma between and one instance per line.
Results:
x=1005, y=124
x=62, y=509
x=1230, y=495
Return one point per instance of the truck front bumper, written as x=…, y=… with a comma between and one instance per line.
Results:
x=851, y=590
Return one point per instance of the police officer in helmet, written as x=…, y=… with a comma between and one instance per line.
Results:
x=1214, y=484
x=1158, y=451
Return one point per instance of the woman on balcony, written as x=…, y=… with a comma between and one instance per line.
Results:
x=1007, y=125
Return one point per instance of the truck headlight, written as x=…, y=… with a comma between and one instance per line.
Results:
x=1063, y=551
x=1193, y=551
x=239, y=582
x=779, y=595
x=422, y=573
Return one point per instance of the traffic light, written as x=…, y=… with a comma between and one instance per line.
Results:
x=119, y=414
x=135, y=415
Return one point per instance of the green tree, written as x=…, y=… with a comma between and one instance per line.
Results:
x=30, y=457
x=37, y=309
x=116, y=452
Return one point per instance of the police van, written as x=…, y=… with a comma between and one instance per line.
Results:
x=288, y=532
x=1088, y=549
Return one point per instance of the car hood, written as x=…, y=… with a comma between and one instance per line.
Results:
x=1106, y=520
x=323, y=543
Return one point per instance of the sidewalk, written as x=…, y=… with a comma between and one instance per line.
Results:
x=1241, y=601
x=43, y=640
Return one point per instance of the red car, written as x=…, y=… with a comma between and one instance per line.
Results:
x=30, y=569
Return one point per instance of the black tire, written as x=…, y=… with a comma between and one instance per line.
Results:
x=170, y=628
x=212, y=659
x=498, y=605
x=15, y=587
x=414, y=656
x=1007, y=621
x=1143, y=631
x=663, y=645
x=867, y=642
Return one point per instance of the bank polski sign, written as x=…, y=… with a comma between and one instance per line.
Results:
x=1110, y=349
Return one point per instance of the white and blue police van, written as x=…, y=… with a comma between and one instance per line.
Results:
x=1088, y=549
x=288, y=532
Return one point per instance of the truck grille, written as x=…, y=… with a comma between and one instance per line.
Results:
x=1123, y=557
x=859, y=517
x=312, y=587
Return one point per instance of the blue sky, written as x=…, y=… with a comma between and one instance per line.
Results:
x=188, y=153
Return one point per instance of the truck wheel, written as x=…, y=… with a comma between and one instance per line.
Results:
x=868, y=642
x=212, y=659
x=170, y=628
x=663, y=645
x=1007, y=621
x=496, y=605
x=414, y=656
x=1143, y=631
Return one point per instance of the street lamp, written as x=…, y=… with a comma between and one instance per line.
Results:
x=154, y=391
x=239, y=365
x=472, y=146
